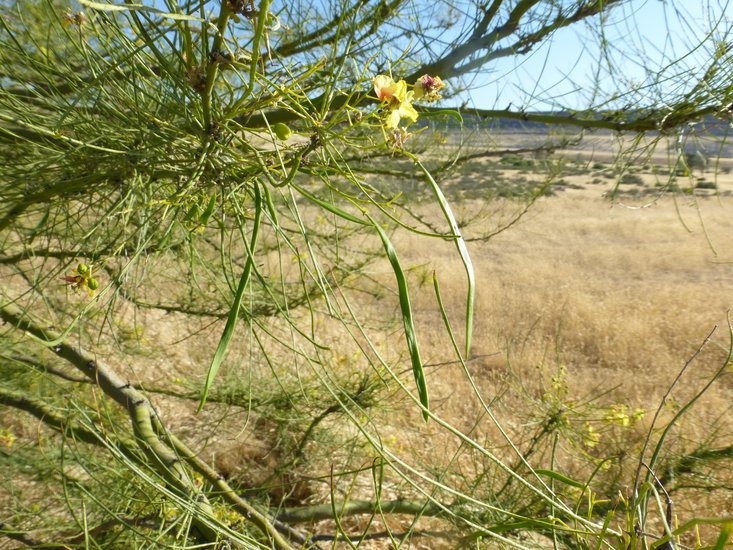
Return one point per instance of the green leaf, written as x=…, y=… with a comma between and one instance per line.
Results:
x=192, y=213
x=233, y=317
x=724, y=536
x=139, y=7
x=561, y=478
x=330, y=207
x=209, y=210
x=407, y=321
x=462, y=251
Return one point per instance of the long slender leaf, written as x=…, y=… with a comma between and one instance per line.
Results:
x=101, y=6
x=462, y=250
x=226, y=336
x=327, y=206
x=724, y=536
x=561, y=478
x=407, y=321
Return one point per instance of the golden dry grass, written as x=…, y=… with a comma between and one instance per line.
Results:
x=617, y=296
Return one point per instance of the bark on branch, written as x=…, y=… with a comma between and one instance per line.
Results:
x=147, y=427
x=356, y=507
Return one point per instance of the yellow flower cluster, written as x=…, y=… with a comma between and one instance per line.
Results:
x=397, y=99
x=591, y=437
x=622, y=415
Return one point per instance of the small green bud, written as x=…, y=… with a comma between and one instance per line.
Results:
x=83, y=269
x=281, y=131
x=92, y=283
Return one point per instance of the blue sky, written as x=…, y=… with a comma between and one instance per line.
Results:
x=644, y=36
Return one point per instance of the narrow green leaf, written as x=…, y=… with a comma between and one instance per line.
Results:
x=331, y=208
x=604, y=529
x=100, y=6
x=561, y=478
x=724, y=536
x=233, y=317
x=108, y=7
x=193, y=213
x=462, y=251
x=407, y=321
x=509, y=526
x=270, y=204
x=209, y=210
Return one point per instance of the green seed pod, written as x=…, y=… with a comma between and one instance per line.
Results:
x=92, y=283
x=281, y=131
x=83, y=269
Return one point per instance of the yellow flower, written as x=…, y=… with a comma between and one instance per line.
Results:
x=397, y=100
x=386, y=88
x=81, y=277
x=7, y=438
x=591, y=438
x=621, y=415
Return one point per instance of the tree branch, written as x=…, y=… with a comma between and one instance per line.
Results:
x=37, y=365
x=447, y=66
x=525, y=43
x=51, y=418
x=146, y=425
x=355, y=507
x=618, y=121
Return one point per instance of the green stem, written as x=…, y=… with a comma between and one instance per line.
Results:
x=161, y=457
x=224, y=14
x=259, y=32
x=356, y=507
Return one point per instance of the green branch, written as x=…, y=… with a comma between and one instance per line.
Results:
x=617, y=121
x=162, y=457
x=355, y=507
x=50, y=417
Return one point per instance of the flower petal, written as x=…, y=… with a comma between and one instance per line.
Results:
x=406, y=110
x=383, y=86
x=399, y=92
x=418, y=90
x=393, y=118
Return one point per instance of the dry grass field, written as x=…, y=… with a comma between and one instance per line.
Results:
x=587, y=308
x=605, y=301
